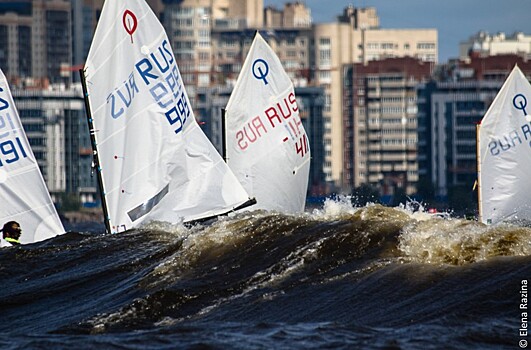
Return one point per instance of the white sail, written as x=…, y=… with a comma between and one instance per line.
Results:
x=504, y=146
x=25, y=198
x=156, y=162
x=267, y=146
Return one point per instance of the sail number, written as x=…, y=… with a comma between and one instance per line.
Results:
x=11, y=150
x=159, y=72
x=11, y=147
x=178, y=114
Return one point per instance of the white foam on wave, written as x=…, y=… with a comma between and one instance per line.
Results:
x=461, y=241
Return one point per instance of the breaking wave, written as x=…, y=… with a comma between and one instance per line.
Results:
x=368, y=266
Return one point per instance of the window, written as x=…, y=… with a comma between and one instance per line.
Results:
x=426, y=46
x=325, y=77
x=328, y=102
x=204, y=79
x=324, y=57
x=229, y=43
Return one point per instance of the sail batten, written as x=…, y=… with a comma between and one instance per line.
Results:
x=156, y=162
x=267, y=146
x=504, y=153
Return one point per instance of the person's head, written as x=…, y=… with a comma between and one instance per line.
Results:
x=12, y=229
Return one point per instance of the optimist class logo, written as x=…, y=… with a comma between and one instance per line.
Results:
x=520, y=102
x=130, y=23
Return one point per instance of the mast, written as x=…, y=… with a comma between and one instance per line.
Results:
x=478, y=160
x=223, y=135
x=95, y=156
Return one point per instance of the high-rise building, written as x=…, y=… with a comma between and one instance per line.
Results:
x=310, y=101
x=189, y=24
x=293, y=15
x=35, y=41
x=357, y=38
x=55, y=124
x=380, y=124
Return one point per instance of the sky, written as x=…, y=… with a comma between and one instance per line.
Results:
x=455, y=20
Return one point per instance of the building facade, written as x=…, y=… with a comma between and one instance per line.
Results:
x=55, y=124
x=36, y=41
x=357, y=38
x=380, y=124
x=485, y=44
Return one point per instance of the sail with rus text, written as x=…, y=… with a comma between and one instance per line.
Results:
x=156, y=162
x=504, y=153
x=267, y=146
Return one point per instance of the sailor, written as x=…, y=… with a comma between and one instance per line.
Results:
x=11, y=234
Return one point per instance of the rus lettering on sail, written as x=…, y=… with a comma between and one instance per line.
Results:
x=284, y=112
x=250, y=132
x=511, y=140
x=160, y=74
x=122, y=97
x=290, y=104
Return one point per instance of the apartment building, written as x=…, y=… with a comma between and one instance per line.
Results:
x=293, y=15
x=486, y=44
x=380, y=124
x=189, y=25
x=357, y=38
x=35, y=41
x=55, y=124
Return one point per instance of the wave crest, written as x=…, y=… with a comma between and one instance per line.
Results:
x=460, y=241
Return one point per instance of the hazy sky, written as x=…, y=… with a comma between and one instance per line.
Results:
x=455, y=20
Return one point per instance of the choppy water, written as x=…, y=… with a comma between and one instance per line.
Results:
x=336, y=278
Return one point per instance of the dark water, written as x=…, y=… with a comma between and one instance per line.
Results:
x=336, y=278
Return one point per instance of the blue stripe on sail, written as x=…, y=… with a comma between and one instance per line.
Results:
x=146, y=207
